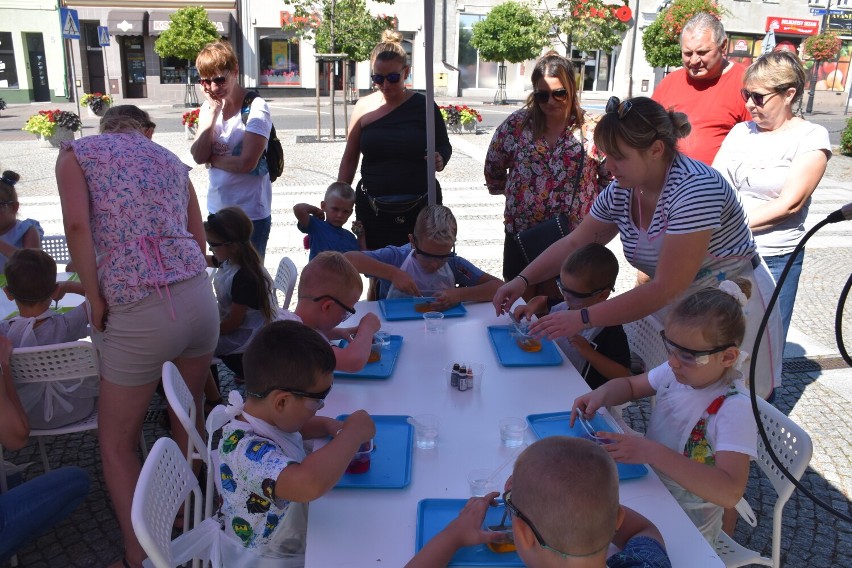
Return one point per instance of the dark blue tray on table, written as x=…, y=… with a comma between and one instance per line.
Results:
x=381, y=369
x=397, y=309
x=510, y=355
x=435, y=514
x=556, y=424
x=390, y=462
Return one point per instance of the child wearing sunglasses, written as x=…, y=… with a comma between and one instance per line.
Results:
x=427, y=265
x=14, y=233
x=563, y=501
x=587, y=277
x=702, y=432
x=267, y=478
x=329, y=288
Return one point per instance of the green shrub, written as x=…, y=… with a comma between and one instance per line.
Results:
x=846, y=139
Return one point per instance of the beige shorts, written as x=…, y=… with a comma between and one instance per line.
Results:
x=141, y=336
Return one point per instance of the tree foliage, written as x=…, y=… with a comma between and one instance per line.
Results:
x=190, y=30
x=339, y=26
x=510, y=32
x=589, y=25
x=661, y=39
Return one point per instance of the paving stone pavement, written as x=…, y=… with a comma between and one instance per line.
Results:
x=815, y=393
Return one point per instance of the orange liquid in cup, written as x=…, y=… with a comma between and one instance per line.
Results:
x=423, y=307
x=501, y=547
x=530, y=345
x=375, y=355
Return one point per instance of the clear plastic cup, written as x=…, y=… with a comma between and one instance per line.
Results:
x=481, y=482
x=426, y=431
x=434, y=322
x=512, y=431
x=361, y=462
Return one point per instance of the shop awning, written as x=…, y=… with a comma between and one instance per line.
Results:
x=127, y=22
x=159, y=21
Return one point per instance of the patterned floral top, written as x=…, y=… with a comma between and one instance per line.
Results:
x=138, y=199
x=538, y=180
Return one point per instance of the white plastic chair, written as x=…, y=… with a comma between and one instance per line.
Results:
x=182, y=404
x=793, y=447
x=285, y=280
x=62, y=361
x=57, y=247
x=643, y=335
x=165, y=483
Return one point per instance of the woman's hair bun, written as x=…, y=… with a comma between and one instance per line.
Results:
x=10, y=178
x=391, y=36
x=680, y=124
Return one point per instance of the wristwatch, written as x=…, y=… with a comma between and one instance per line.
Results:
x=584, y=315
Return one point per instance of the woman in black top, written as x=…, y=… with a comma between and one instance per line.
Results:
x=389, y=128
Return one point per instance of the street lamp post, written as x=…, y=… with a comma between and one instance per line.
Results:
x=810, y=107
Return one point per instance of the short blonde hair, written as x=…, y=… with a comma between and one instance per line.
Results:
x=342, y=190
x=436, y=223
x=778, y=71
x=215, y=57
x=329, y=272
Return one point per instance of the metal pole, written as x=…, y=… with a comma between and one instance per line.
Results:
x=632, y=51
x=345, y=103
x=319, y=133
x=332, y=77
x=73, y=73
x=107, y=87
x=812, y=92
x=429, y=28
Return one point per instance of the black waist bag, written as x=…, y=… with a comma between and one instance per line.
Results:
x=393, y=204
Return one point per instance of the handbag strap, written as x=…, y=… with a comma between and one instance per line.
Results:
x=580, y=168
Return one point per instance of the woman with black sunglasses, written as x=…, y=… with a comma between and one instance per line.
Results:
x=543, y=159
x=388, y=127
x=678, y=220
x=776, y=161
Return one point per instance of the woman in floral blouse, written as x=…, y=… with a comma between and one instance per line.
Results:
x=543, y=159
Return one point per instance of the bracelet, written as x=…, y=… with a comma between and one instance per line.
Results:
x=524, y=278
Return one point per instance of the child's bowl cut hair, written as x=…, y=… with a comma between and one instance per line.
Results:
x=437, y=223
x=329, y=272
x=342, y=190
x=716, y=312
x=593, y=263
x=30, y=276
x=286, y=354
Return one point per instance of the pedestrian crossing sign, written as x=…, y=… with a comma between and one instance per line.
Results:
x=70, y=23
x=103, y=36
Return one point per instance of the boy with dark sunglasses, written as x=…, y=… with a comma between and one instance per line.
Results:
x=588, y=277
x=563, y=500
x=427, y=265
x=329, y=287
x=267, y=478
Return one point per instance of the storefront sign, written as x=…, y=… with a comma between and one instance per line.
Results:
x=741, y=45
x=795, y=26
x=288, y=20
x=841, y=23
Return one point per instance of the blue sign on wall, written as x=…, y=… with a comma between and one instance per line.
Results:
x=70, y=23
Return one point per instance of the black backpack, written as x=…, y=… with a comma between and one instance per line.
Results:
x=274, y=152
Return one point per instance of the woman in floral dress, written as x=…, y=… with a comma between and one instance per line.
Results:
x=543, y=159
x=136, y=238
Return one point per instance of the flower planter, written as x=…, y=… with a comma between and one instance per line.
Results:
x=100, y=112
x=59, y=136
x=191, y=131
x=469, y=127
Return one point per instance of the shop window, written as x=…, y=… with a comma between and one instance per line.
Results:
x=279, y=60
x=8, y=71
x=173, y=71
x=744, y=49
x=474, y=72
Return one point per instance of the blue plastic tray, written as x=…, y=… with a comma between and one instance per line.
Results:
x=390, y=462
x=510, y=355
x=381, y=369
x=556, y=424
x=397, y=309
x=435, y=514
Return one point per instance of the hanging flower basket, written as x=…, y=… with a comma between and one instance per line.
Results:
x=822, y=47
x=96, y=103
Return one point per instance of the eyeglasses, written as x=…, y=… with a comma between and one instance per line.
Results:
x=220, y=80
x=216, y=245
x=315, y=400
x=623, y=108
x=380, y=79
x=559, y=95
x=568, y=293
x=430, y=256
x=513, y=510
x=691, y=357
x=349, y=311
x=758, y=98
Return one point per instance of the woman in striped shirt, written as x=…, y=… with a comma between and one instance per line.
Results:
x=679, y=222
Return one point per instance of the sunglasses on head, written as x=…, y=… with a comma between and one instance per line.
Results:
x=220, y=80
x=559, y=95
x=623, y=108
x=758, y=98
x=391, y=77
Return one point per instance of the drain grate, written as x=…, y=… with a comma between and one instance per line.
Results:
x=804, y=365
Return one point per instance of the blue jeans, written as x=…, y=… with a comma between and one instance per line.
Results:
x=33, y=508
x=787, y=297
x=260, y=235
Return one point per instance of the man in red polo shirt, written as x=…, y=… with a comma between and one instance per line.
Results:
x=706, y=88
